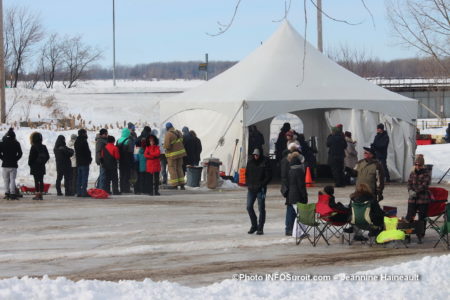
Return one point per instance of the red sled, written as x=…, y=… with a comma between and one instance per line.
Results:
x=31, y=190
x=98, y=193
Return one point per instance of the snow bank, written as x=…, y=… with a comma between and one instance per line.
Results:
x=430, y=272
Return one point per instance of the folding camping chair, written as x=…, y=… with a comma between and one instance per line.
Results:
x=330, y=226
x=443, y=231
x=436, y=207
x=306, y=215
x=361, y=219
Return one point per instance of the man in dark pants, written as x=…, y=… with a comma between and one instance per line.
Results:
x=336, y=153
x=257, y=175
x=84, y=159
x=380, y=144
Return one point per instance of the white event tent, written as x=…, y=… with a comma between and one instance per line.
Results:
x=288, y=75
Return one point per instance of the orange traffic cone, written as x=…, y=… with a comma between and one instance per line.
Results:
x=308, y=179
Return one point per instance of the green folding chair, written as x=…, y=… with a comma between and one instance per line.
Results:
x=306, y=215
x=361, y=218
x=443, y=231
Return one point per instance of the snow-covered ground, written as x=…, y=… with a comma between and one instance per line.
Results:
x=423, y=279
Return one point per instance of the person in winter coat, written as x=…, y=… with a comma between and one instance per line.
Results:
x=198, y=148
x=152, y=154
x=73, y=163
x=36, y=160
x=308, y=153
x=110, y=158
x=63, y=165
x=190, y=147
x=84, y=159
x=163, y=158
x=281, y=143
x=297, y=189
x=10, y=154
x=142, y=186
x=284, y=171
x=364, y=194
x=145, y=133
x=447, y=133
x=100, y=142
x=257, y=175
x=336, y=153
x=255, y=139
x=419, y=195
x=124, y=144
x=341, y=213
x=351, y=157
x=370, y=172
x=173, y=144
x=380, y=144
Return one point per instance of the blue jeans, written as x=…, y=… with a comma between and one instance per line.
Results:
x=82, y=180
x=290, y=218
x=251, y=198
x=101, y=181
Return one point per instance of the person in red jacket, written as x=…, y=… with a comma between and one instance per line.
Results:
x=110, y=156
x=152, y=153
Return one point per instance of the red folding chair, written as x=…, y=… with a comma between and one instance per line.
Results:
x=436, y=207
x=331, y=228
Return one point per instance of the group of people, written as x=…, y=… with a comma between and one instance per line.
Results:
x=131, y=161
x=369, y=173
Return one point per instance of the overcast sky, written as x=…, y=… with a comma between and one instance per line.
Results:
x=176, y=30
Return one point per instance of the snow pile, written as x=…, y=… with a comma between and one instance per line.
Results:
x=374, y=284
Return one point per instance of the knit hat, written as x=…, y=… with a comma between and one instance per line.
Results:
x=370, y=150
x=11, y=133
x=168, y=125
x=256, y=152
x=131, y=126
x=329, y=190
x=380, y=126
x=419, y=160
x=185, y=130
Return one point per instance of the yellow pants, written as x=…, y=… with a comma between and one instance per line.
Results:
x=176, y=175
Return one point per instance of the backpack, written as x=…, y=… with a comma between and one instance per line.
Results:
x=122, y=147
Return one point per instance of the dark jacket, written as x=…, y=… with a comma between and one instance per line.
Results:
x=100, y=143
x=198, y=150
x=37, y=159
x=191, y=149
x=110, y=156
x=296, y=178
x=376, y=213
x=10, y=152
x=284, y=172
x=62, y=155
x=281, y=143
x=336, y=146
x=255, y=140
x=419, y=181
x=258, y=173
x=145, y=134
x=82, y=151
x=380, y=144
x=308, y=153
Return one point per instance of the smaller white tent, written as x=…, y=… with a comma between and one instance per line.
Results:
x=287, y=74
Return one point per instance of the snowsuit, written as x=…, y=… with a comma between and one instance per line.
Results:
x=36, y=160
x=153, y=168
x=126, y=160
x=173, y=144
x=110, y=156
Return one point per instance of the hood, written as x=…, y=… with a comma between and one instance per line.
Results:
x=125, y=133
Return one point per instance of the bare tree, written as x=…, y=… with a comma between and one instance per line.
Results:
x=23, y=29
x=50, y=60
x=76, y=57
x=424, y=25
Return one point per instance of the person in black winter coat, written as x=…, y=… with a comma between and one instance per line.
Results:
x=281, y=143
x=10, y=153
x=257, y=175
x=336, y=153
x=297, y=189
x=380, y=144
x=307, y=152
x=63, y=165
x=36, y=160
x=198, y=148
x=84, y=159
x=145, y=133
x=190, y=147
x=255, y=139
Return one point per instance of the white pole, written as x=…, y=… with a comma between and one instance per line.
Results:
x=114, y=43
x=2, y=70
x=319, y=26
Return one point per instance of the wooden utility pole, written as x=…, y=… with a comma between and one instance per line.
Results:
x=319, y=26
x=2, y=70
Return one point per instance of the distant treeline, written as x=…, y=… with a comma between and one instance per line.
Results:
x=401, y=68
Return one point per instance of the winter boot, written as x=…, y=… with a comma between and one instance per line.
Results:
x=37, y=196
